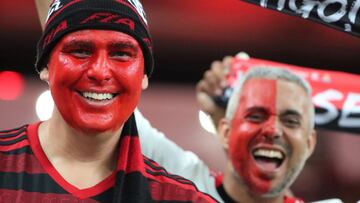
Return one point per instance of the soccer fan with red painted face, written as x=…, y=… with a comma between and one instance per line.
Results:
x=268, y=133
x=96, y=56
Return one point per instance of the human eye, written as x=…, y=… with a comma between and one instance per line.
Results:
x=78, y=49
x=291, y=121
x=256, y=117
x=80, y=53
x=121, y=55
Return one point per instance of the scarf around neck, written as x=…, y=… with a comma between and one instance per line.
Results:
x=140, y=179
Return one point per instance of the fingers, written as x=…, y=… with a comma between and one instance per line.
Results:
x=242, y=55
x=212, y=85
x=227, y=61
x=214, y=79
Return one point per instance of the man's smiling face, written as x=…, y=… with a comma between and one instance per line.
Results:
x=270, y=136
x=96, y=78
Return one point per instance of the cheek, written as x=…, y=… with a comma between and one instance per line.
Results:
x=130, y=77
x=298, y=141
x=63, y=71
x=239, y=140
x=244, y=132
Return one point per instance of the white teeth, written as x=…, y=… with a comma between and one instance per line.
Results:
x=268, y=153
x=98, y=96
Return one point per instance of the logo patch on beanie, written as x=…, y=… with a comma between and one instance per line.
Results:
x=139, y=8
x=102, y=17
x=55, y=6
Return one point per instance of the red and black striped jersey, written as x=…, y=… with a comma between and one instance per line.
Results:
x=26, y=175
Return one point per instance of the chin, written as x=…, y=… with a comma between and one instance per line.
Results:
x=279, y=187
x=274, y=192
x=267, y=188
x=91, y=128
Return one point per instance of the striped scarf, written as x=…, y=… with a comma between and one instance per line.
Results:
x=140, y=179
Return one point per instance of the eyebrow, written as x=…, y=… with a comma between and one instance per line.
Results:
x=291, y=112
x=122, y=45
x=257, y=108
x=82, y=44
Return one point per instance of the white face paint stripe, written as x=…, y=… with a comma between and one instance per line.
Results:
x=139, y=8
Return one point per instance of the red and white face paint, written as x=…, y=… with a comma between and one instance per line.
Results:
x=95, y=78
x=268, y=138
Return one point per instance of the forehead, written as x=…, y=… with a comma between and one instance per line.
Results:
x=292, y=96
x=104, y=36
x=275, y=95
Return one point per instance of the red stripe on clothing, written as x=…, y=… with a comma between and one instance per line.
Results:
x=15, y=146
x=219, y=179
x=130, y=158
x=24, y=163
x=36, y=197
x=12, y=137
x=165, y=179
x=168, y=188
x=163, y=171
x=10, y=131
x=162, y=191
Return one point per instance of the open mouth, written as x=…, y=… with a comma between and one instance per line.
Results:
x=268, y=159
x=94, y=96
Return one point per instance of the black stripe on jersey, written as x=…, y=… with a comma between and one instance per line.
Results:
x=150, y=162
x=106, y=196
x=22, y=150
x=161, y=170
x=29, y=183
x=14, y=129
x=10, y=142
x=174, y=177
x=12, y=134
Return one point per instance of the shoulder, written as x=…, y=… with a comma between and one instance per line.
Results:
x=166, y=185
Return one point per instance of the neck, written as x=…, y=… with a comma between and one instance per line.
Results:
x=67, y=148
x=239, y=192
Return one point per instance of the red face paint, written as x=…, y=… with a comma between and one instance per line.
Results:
x=266, y=147
x=95, y=78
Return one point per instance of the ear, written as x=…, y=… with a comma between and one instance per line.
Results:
x=224, y=132
x=145, y=82
x=311, y=142
x=44, y=75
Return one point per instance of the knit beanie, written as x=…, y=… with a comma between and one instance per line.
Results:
x=66, y=16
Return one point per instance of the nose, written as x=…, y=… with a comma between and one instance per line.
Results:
x=272, y=129
x=100, y=68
